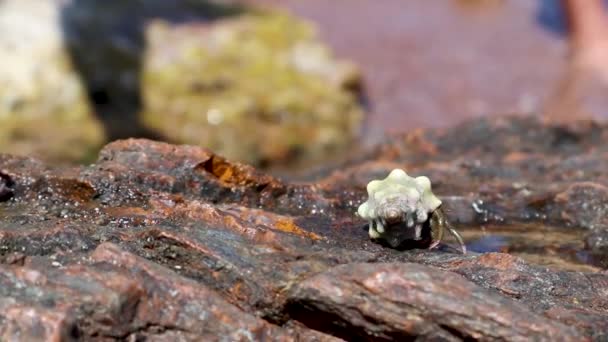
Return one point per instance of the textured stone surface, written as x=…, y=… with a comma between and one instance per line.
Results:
x=175, y=242
x=403, y=301
x=115, y=294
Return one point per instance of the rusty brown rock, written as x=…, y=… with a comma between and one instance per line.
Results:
x=114, y=294
x=138, y=238
x=404, y=301
x=186, y=305
x=546, y=292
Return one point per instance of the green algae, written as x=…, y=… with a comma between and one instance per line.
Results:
x=258, y=87
x=51, y=118
x=254, y=85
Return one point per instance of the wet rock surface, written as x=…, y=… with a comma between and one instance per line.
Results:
x=404, y=301
x=160, y=241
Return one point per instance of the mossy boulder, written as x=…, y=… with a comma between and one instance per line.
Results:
x=258, y=87
x=43, y=106
x=254, y=85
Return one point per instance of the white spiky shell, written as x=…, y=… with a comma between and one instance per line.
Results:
x=399, y=183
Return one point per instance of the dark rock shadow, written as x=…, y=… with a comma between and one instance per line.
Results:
x=105, y=40
x=409, y=243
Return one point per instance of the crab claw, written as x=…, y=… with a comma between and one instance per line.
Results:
x=373, y=233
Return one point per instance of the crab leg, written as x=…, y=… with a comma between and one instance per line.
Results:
x=454, y=233
x=373, y=233
x=437, y=223
x=409, y=218
x=380, y=224
x=434, y=244
x=418, y=232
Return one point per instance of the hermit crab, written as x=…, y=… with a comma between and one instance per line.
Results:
x=400, y=207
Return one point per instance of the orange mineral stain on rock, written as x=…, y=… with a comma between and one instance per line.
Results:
x=288, y=226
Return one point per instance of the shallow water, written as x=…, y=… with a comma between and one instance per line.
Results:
x=553, y=247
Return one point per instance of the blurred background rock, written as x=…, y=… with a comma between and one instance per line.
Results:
x=255, y=83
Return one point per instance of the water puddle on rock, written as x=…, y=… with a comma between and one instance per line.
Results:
x=556, y=248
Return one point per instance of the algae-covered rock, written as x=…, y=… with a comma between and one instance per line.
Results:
x=257, y=87
x=254, y=85
x=43, y=105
